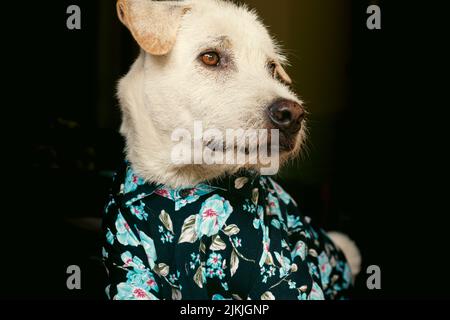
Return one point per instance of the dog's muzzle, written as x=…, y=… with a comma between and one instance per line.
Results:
x=287, y=116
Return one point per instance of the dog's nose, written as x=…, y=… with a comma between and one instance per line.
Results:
x=286, y=115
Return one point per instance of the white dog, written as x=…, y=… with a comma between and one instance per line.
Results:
x=170, y=86
x=210, y=61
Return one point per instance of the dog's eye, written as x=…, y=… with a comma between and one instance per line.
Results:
x=211, y=59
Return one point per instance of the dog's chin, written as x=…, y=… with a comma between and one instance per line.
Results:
x=287, y=145
x=191, y=175
x=290, y=148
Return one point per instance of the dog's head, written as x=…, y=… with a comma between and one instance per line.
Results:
x=207, y=61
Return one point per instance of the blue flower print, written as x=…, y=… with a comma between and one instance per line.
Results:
x=276, y=224
x=219, y=297
x=283, y=195
x=302, y=296
x=267, y=273
x=124, y=234
x=299, y=250
x=182, y=196
x=210, y=273
x=237, y=242
x=193, y=195
x=272, y=271
x=266, y=247
x=135, y=199
x=215, y=265
x=132, y=181
x=292, y=284
x=212, y=216
x=263, y=270
x=109, y=236
x=139, y=211
x=143, y=278
x=311, y=234
x=285, y=264
x=325, y=268
x=294, y=222
x=261, y=213
x=220, y=274
x=215, y=260
x=132, y=261
x=200, y=242
x=173, y=278
x=274, y=207
x=126, y=291
x=259, y=221
x=166, y=236
x=249, y=206
x=316, y=292
x=313, y=270
x=105, y=253
x=195, y=261
x=256, y=223
x=149, y=246
x=225, y=286
x=140, y=280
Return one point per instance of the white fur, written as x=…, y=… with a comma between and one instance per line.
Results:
x=164, y=92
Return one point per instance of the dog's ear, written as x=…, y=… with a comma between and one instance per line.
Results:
x=153, y=24
x=281, y=74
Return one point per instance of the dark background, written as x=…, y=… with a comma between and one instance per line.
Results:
x=371, y=169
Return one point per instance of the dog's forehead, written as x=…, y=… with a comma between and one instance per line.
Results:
x=212, y=22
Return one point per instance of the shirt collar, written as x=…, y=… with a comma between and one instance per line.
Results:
x=130, y=188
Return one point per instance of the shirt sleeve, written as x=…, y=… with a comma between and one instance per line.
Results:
x=129, y=257
x=144, y=258
x=328, y=266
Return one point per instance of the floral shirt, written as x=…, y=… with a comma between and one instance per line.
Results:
x=238, y=238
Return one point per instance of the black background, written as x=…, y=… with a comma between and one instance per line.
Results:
x=389, y=174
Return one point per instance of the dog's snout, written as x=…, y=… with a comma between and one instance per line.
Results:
x=286, y=115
